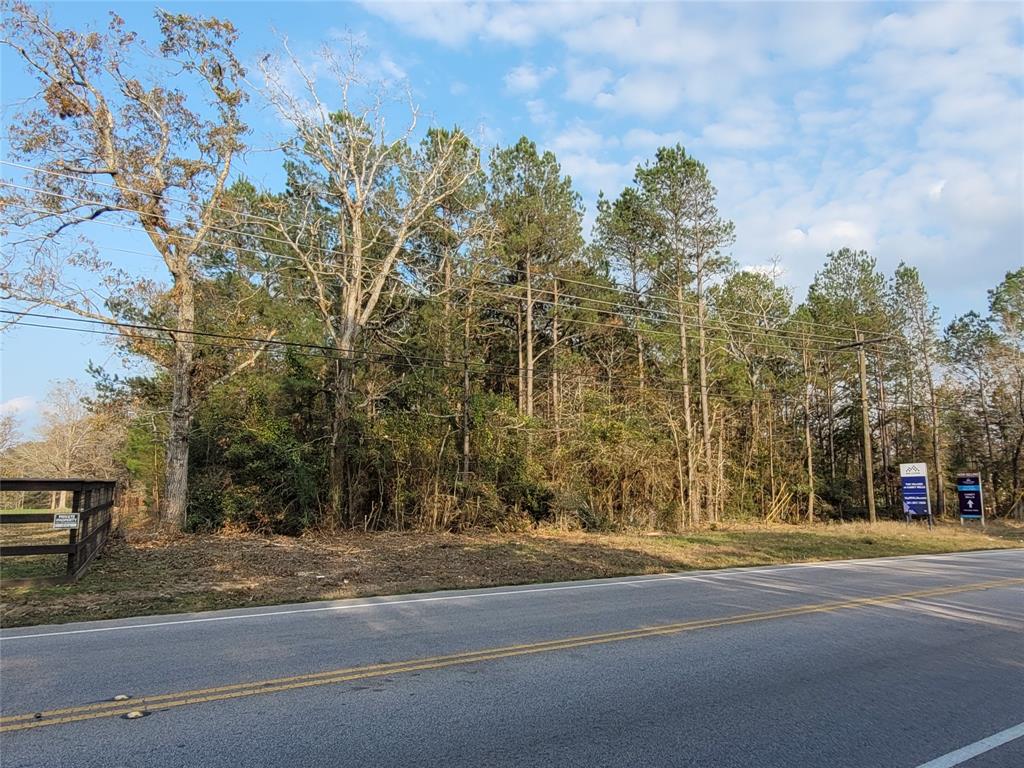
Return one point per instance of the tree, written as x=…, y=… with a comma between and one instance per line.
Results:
x=969, y=346
x=624, y=236
x=691, y=235
x=111, y=136
x=537, y=218
x=74, y=441
x=357, y=195
x=848, y=292
x=919, y=320
x=10, y=432
x=1006, y=303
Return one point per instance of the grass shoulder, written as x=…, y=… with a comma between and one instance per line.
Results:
x=139, y=575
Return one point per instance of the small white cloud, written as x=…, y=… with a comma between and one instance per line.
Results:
x=648, y=92
x=17, y=405
x=457, y=88
x=795, y=236
x=580, y=138
x=527, y=78
x=538, y=111
x=447, y=23
x=646, y=140
x=585, y=83
x=592, y=174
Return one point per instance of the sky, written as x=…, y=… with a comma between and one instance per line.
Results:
x=896, y=128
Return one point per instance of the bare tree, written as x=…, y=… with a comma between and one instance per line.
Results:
x=108, y=135
x=9, y=432
x=360, y=192
x=73, y=441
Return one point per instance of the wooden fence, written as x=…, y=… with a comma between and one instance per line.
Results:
x=87, y=523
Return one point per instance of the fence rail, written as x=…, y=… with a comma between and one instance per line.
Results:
x=91, y=500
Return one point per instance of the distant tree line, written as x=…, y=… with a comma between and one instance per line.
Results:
x=408, y=335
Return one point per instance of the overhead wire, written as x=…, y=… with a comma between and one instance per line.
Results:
x=712, y=323
x=255, y=217
x=669, y=318
x=320, y=351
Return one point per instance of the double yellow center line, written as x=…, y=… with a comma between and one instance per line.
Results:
x=331, y=677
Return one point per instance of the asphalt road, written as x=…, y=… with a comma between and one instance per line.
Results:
x=893, y=662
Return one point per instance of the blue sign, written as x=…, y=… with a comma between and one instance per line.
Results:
x=968, y=494
x=914, y=485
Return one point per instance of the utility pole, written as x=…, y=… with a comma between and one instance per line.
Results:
x=869, y=464
x=869, y=469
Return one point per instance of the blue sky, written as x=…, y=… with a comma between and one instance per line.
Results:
x=898, y=128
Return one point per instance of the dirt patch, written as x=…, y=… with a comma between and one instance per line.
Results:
x=146, y=575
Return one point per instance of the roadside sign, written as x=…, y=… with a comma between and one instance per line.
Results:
x=969, y=498
x=914, y=485
x=65, y=521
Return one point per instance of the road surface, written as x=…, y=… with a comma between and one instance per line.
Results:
x=894, y=662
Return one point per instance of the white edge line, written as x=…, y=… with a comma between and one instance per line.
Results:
x=372, y=603
x=964, y=754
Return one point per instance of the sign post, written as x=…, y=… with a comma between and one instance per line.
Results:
x=914, y=486
x=969, y=497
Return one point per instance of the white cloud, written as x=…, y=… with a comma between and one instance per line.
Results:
x=649, y=93
x=447, y=23
x=527, y=78
x=578, y=137
x=584, y=83
x=750, y=126
x=823, y=125
x=17, y=405
x=592, y=175
x=646, y=140
x=539, y=112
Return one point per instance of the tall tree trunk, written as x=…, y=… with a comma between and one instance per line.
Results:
x=883, y=431
x=808, y=385
x=520, y=364
x=940, y=475
x=990, y=454
x=911, y=396
x=720, y=474
x=466, y=418
x=702, y=365
x=771, y=448
x=340, y=496
x=529, y=339
x=684, y=370
x=869, y=469
x=175, y=500
x=682, y=513
x=639, y=337
x=556, y=404
x=446, y=325
x=830, y=418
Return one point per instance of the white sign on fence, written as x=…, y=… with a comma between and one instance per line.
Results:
x=65, y=521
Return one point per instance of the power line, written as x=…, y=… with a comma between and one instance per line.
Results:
x=321, y=351
x=711, y=322
x=615, y=288
x=669, y=316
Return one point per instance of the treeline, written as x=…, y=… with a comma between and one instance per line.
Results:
x=409, y=335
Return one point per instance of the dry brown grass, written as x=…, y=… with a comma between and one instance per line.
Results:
x=151, y=574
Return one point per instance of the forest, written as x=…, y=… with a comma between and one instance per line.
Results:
x=413, y=333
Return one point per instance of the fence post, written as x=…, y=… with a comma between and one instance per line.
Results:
x=76, y=506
